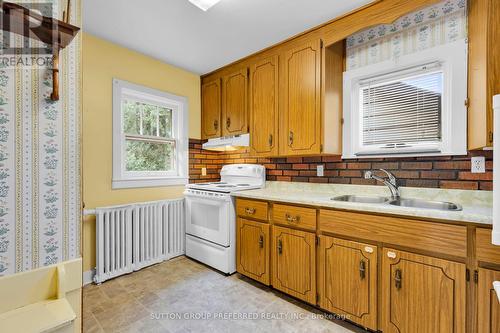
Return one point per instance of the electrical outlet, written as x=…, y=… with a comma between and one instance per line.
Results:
x=203, y=171
x=478, y=164
x=320, y=170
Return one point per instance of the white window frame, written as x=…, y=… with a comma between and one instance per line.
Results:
x=452, y=60
x=179, y=106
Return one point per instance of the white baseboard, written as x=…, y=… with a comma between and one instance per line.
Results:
x=88, y=277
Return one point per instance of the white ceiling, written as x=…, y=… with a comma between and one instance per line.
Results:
x=177, y=32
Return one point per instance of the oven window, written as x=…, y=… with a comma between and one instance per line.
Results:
x=206, y=216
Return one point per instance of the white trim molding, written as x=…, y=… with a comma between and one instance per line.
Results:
x=452, y=59
x=179, y=106
x=149, y=182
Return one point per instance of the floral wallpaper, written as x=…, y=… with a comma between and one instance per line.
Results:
x=40, y=199
x=435, y=25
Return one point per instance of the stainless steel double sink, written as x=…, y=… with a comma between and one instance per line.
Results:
x=401, y=202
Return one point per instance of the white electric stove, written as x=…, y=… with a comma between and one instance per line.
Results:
x=211, y=218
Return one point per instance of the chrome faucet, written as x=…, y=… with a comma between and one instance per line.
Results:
x=391, y=182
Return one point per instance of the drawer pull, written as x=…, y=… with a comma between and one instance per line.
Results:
x=391, y=255
x=362, y=269
x=291, y=218
x=228, y=122
x=368, y=249
x=280, y=246
x=270, y=140
x=261, y=241
x=290, y=138
x=398, y=279
x=250, y=211
x=216, y=124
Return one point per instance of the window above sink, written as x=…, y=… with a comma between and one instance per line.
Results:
x=413, y=105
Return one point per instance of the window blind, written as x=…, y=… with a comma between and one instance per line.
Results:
x=402, y=112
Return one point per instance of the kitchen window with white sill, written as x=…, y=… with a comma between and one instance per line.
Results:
x=150, y=143
x=411, y=106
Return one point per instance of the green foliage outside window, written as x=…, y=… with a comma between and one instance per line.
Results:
x=147, y=129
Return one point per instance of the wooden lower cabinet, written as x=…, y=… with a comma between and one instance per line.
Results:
x=347, y=280
x=294, y=263
x=421, y=294
x=252, y=250
x=488, y=320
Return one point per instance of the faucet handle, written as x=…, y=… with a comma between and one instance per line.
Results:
x=392, y=178
x=368, y=174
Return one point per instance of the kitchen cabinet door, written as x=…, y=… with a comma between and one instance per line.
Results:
x=484, y=70
x=421, y=294
x=234, y=103
x=347, y=280
x=264, y=121
x=252, y=250
x=300, y=109
x=211, y=109
x=488, y=320
x=294, y=263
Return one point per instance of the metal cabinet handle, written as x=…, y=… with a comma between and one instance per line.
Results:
x=280, y=246
x=362, y=269
x=216, y=124
x=250, y=211
x=290, y=138
x=261, y=241
x=228, y=122
x=398, y=279
x=270, y=140
x=291, y=218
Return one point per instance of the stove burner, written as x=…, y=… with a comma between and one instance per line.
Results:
x=242, y=184
x=226, y=186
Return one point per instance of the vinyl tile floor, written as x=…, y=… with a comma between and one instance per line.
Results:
x=182, y=295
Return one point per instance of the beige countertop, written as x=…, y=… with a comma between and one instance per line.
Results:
x=477, y=205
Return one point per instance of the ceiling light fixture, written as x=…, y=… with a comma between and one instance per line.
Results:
x=204, y=4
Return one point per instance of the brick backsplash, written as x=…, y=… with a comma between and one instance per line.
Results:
x=452, y=172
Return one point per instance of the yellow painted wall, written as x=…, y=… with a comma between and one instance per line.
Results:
x=103, y=61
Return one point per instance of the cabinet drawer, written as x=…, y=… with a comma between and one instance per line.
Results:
x=252, y=209
x=427, y=236
x=484, y=249
x=295, y=216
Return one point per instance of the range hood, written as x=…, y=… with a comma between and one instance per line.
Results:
x=228, y=143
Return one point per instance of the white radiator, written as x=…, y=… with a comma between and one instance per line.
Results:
x=134, y=236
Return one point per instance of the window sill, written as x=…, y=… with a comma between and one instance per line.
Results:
x=403, y=154
x=148, y=182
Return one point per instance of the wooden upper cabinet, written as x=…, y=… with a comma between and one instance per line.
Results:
x=234, y=103
x=300, y=89
x=422, y=294
x=484, y=70
x=488, y=320
x=347, y=280
x=264, y=121
x=211, y=109
x=252, y=250
x=294, y=263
